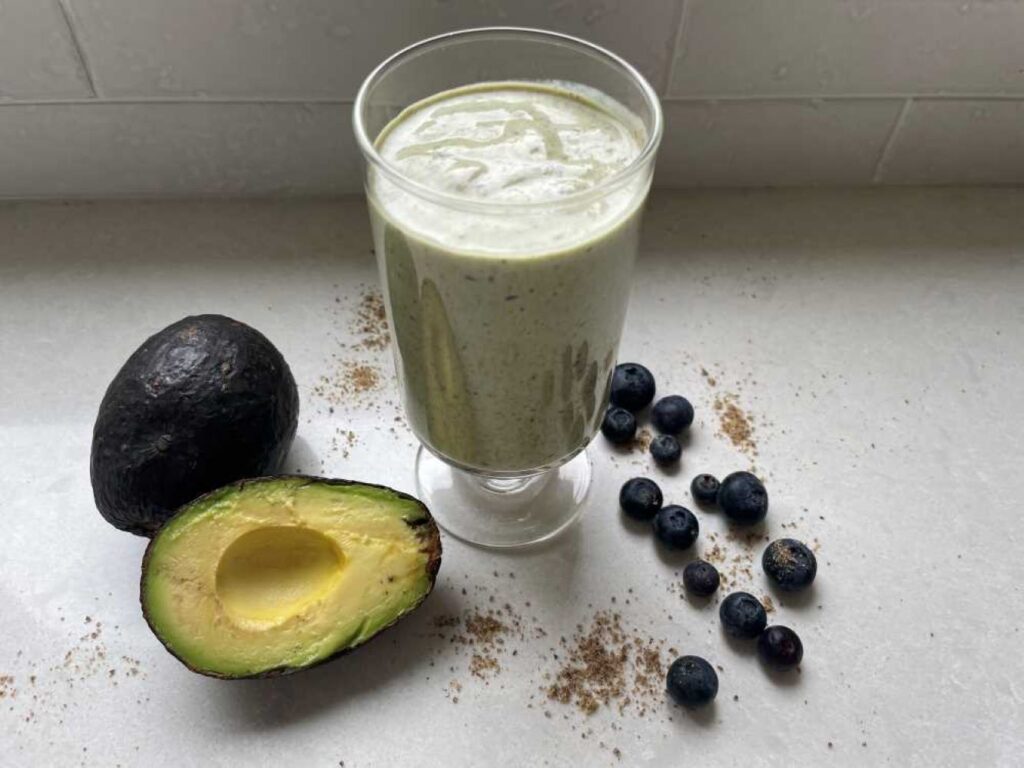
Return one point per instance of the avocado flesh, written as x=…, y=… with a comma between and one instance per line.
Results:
x=274, y=575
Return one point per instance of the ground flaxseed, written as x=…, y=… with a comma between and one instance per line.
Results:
x=711, y=380
x=82, y=665
x=342, y=441
x=735, y=424
x=486, y=633
x=642, y=441
x=608, y=665
x=371, y=322
x=351, y=379
x=361, y=377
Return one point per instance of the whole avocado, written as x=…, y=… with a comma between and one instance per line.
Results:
x=204, y=402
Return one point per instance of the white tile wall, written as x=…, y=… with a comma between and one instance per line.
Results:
x=849, y=47
x=752, y=143
x=958, y=142
x=324, y=48
x=38, y=58
x=234, y=97
x=176, y=150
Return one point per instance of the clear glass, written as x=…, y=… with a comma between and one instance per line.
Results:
x=505, y=340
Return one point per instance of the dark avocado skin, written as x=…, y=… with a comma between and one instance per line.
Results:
x=426, y=530
x=204, y=402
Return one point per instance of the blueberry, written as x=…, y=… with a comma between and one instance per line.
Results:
x=665, y=449
x=632, y=386
x=672, y=414
x=676, y=527
x=691, y=682
x=701, y=578
x=742, y=615
x=640, y=498
x=619, y=425
x=704, y=489
x=790, y=564
x=743, y=498
x=780, y=647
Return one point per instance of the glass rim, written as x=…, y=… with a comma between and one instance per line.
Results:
x=377, y=161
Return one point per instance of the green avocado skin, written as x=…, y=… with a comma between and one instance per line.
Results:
x=204, y=402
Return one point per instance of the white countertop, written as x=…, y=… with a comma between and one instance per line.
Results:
x=875, y=337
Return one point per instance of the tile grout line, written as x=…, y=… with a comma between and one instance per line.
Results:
x=115, y=101
x=890, y=142
x=157, y=197
x=901, y=96
x=69, y=20
x=684, y=7
x=325, y=100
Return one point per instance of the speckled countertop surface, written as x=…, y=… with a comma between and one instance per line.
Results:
x=874, y=339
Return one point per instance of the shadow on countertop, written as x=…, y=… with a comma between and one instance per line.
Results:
x=416, y=646
x=406, y=648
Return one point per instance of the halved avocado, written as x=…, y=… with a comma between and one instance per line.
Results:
x=269, y=576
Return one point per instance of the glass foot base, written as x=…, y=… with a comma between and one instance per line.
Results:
x=502, y=512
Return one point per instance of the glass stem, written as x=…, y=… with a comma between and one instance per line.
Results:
x=508, y=485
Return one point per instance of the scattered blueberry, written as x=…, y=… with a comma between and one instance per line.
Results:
x=701, y=578
x=780, y=647
x=790, y=564
x=665, y=449
x=672, y=414
x=691, y=682
x=742, y=615
x=704, y=489
x=676, y=527
x=632, y=386
x=743, y=498
x=640, y=498
x=619, y=425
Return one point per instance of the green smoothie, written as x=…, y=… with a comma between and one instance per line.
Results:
x=506, y=265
